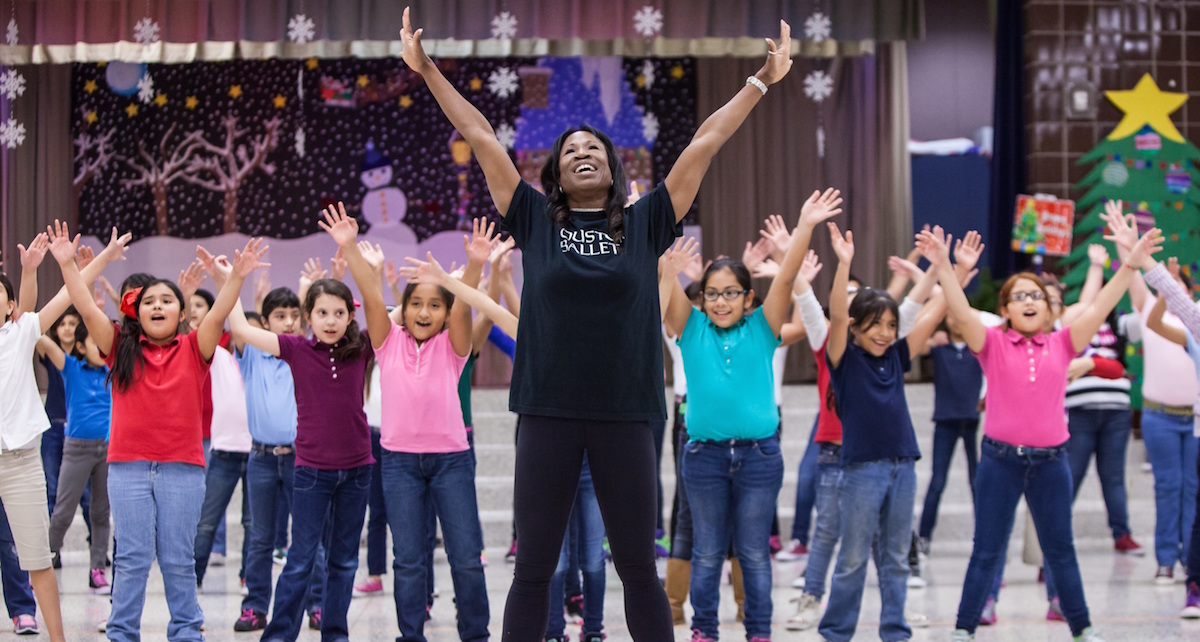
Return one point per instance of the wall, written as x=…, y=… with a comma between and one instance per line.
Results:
x=950, y=72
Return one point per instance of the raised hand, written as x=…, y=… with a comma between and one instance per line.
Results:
x=83, y=256
x=191, y=277
x=1142, y=253
x=499, y=249
x=967, y=250
x=843, y=246
x=373, y=255
x=338, y=265
x=418, y=271
x=390, y=275
x=679, y=255
x=934, y=246
x=1097, y=255
x=117, y=244
x=414, y=54
x=811, y=267
x=218, y=267
x=99, y=295
x=634, y=194
x=108, y=288
x=776, y=232
x=62, y=246
x=313, y=270
x=479, y=244
x=262, y=286
x=694, y=271
x=779, y=56
x=820, y=207
x=905, y=267
x=1173, y=267
x=343, y=228
x=768, y=269
x=32, y=256
x=757, y=252
x=1121, y=228
x=249, y=258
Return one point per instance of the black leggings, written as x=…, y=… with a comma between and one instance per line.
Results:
x=550, y=455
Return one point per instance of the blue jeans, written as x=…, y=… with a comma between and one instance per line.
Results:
x=876, y=504
x=1171, y=445
x=269, y=482
x=1043, y=476
x=409, y=480
x=681, y=535
x=1105, y=432
x=225, y=470
x=588, y=527
x=155, y=509
x=829, y=523
x=377, y=520
x=945, y=437
x=18, y=594
x=219, y=538
x=732, y=488
x=339, y=496
x=1193, y=557
x=806, y=488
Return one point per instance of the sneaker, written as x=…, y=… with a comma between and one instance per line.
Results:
x=1054, y=612
x=25, y=625
x=961, y=635
x=369, y=586
x=808, y=612
x=250, y=620
x=662, y=544
x=1089, y=635
x=697, y=636
x=914, y=578
x=1126, y=545
x=799, y=581
x=1165, y=576
x=574, y=609
x=314, y=620
x=607, y=550
x=775, y=544
x=279, y=556
x=98, y=583
x=511, y=556
x=794, y=550
x=1191, y=606
x=558, y=638
x=917, y=620
x=757, y=638
x=592, y=637
x=216, y=559
x=56, y=560
x=988, y=617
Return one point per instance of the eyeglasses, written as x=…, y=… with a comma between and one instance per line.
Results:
x=728, y=295
x=1035, y=295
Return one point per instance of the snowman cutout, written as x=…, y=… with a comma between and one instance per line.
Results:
x=384, y=204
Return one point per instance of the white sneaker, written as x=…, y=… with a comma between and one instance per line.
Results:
x=916, y=581
x=961, y=635
x=798, y=582
x=1089, y=635
x=917, y=620
x=808, y=613
x=794, y=551
x=216, y=559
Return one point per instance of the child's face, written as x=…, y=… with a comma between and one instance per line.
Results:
x=160, y=313
x=877, y=337
x=1031, y=315
x=285, y=321
x=66, y=330
x=725, y=313
x=6, y=304
x=329, y=318
x=197, y=310
x=425, y=313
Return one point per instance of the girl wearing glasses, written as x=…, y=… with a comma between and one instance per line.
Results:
x=732, y=466
x=1024, y=449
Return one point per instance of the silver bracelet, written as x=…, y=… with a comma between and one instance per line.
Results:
x=760, y=85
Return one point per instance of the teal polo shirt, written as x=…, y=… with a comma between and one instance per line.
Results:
x=731, y=384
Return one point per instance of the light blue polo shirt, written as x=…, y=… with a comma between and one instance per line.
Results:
x=731, y=384
x=270, y=397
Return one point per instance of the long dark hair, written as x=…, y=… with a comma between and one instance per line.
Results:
x=129, y=360
x=353, y=338
x=81, y=333
x=614, y=209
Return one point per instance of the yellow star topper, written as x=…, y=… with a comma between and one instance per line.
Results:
x=1146, y=104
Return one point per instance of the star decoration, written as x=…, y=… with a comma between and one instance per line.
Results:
x=363, y=80
x=640, y=81
x=406, y=101
x=311, y=63
x=235, y=91
x=160, y=100
x=280, y=101
x=476, y=83
x=191, y=102
x=677, y=72
x=91, y=117
x=1146, y=104
x=132, y=110
x=90, y=86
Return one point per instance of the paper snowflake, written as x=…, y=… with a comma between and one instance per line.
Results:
x=12, y=133
x=145, y=87
x=301, y=29
x=11, y=36
x=145, y=31
x=818, y=86
x=506, y=135
x=300, y=142
x=504, y=26
x=648, y=21
x=817, y=27
x=12, y=84
x=648, y=73
x=503, y=82
x=649, y=127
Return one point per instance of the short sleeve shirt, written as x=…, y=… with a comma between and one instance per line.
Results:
x=731, y=378
x=89, y=399
x=1027, y=386
x=589, y=343
x=871, y=403
x=421, y=412
x=957, y=381
x=22, y=416
x=270, y=397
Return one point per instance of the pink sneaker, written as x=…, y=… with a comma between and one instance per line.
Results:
x=1126, y=545
x=988, y=617
x=370, y=586
x=25, y=624
x=794, y=550
x=775, y=544
x=98, y=583
x=1054, y=612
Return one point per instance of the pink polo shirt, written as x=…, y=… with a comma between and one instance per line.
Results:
x=419, y=390
x=1026, y=386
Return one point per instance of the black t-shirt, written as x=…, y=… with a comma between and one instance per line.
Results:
x=589, y=342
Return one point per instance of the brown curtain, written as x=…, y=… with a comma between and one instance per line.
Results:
x=771, y=165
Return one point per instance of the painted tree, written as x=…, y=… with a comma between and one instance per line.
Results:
x=224, y=168
x=93, y=153
x=157, y=171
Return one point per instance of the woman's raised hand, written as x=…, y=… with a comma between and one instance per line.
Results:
x=343, y=228
x=779, y=56
x=414, y=54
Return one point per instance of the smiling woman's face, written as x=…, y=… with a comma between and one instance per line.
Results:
x=583, y=165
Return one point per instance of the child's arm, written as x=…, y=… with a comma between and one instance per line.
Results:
x=244, y=262
x=479, y=249
x=481, y=327
x=793, y=331
x=31, y=258
x=430, y=271
x=367, y=274
x=816, y=210
x=816, y=327
x=76, y=289
x=262, y=287
x=508, y=287
x=1154, y=321
x=1177, y=300
x=1097, y=258
x=243, y=332
x=671, y=263
x=48, y=348
x=927, y=322
x=901, y=277
x=1124, y=238
x=934, y=247
x=839, y=299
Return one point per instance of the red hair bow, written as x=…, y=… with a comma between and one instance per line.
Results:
x=127, y=302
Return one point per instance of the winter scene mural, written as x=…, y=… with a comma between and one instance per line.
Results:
x=175, y=153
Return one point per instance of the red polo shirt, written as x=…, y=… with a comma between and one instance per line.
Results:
x=159, y=418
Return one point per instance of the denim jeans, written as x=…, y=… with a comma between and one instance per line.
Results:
x=876, y=504
x=829, y=523
x=269, y=482
x=409, y=480
x=587, y=529
x=219, y=537
x=732, y=488
x=1105, y=432
x=1043, y=476
x=1171, y=445
x=225, y=470
x=377, y=514
x=339, y=496
x=681, y=529
x=806, y=488
x=945, y=437
x=18, y=594
x=1193, y=556
x=155, y=509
